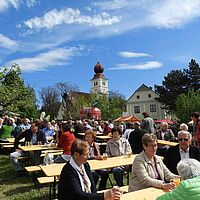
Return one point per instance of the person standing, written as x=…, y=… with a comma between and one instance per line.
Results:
x=148, y=123
x=196, y=128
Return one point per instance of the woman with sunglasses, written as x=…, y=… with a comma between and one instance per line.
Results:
x=181, y=151
x=148, y=169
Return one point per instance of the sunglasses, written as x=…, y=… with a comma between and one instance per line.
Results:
x=183, y=139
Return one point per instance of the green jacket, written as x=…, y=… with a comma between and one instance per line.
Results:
x=6, y=132
x=187, y=190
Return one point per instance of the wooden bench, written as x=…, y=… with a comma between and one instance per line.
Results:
x=53, y=153
x=5, y=145
x=47, y=180
x=33, y=170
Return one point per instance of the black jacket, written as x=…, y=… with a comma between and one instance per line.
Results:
x=135, y=140
x=27, y=134
x=69, y=187
x=172, y=157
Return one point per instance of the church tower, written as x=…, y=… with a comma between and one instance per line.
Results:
x=99, y=84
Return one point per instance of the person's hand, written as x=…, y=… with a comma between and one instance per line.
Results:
x=99, y=157
x=112, y=194
x=168, y=186
x=117, y=192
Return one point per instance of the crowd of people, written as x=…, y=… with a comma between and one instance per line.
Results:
x=148, y=169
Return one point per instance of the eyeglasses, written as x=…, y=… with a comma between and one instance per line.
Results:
x=183, y=139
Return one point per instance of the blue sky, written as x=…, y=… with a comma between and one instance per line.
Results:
x=136, y=41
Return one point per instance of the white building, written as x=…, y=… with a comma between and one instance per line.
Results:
x=99, y=84
x=143, y=100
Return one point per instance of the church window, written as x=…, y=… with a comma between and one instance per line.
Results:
x=149, y=95
x=138, y=96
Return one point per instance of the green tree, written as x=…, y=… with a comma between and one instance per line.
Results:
x=178, y=82
x=174, y=84
x=15, y=96
x=111, y=107
x=186, y=104
x=193, y=75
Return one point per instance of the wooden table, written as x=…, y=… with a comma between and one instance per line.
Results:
x=164, y=142
x=12, y=140
x=55, y=169
x=145, y=194
x=103, y=137
x=36, y=147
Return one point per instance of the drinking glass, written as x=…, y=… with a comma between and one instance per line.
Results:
x=105, y=156
x=176, y=180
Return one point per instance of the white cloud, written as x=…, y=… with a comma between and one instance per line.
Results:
x=6, y=4
x=147, y=65
x=128, y=54
x=170, y=14
x=7, y=43
x=115, y=4
x=43, y=61
x=70, y=16
x=31, y=3
x=155, y=13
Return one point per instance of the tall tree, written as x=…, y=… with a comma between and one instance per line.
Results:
x=193, y=75
x=15, y=96
x=174, y=84
x=50, y=101
x=186, y=104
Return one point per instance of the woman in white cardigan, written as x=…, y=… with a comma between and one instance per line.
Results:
x=148, y=170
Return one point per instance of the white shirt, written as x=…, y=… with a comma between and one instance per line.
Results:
x=77, y=168
x=184, y=154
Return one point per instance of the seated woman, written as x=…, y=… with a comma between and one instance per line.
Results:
x=164, y=133
x=65, y=142
x=76, y=181
x=188, y=189
x=148, y=170
x=118, y=146
x=94, y=153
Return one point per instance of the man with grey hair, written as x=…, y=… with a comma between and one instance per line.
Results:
x=189, y=188
x=181, y=151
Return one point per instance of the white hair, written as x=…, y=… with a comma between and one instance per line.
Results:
x=188, y=168
x=185, y=133
x=184, y=127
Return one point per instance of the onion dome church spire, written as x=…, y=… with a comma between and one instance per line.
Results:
x=99, y=84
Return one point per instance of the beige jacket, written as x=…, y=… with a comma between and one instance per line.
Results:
x=142, y=173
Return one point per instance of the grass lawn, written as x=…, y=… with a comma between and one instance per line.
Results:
x=18, y=188
x=21, y=188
